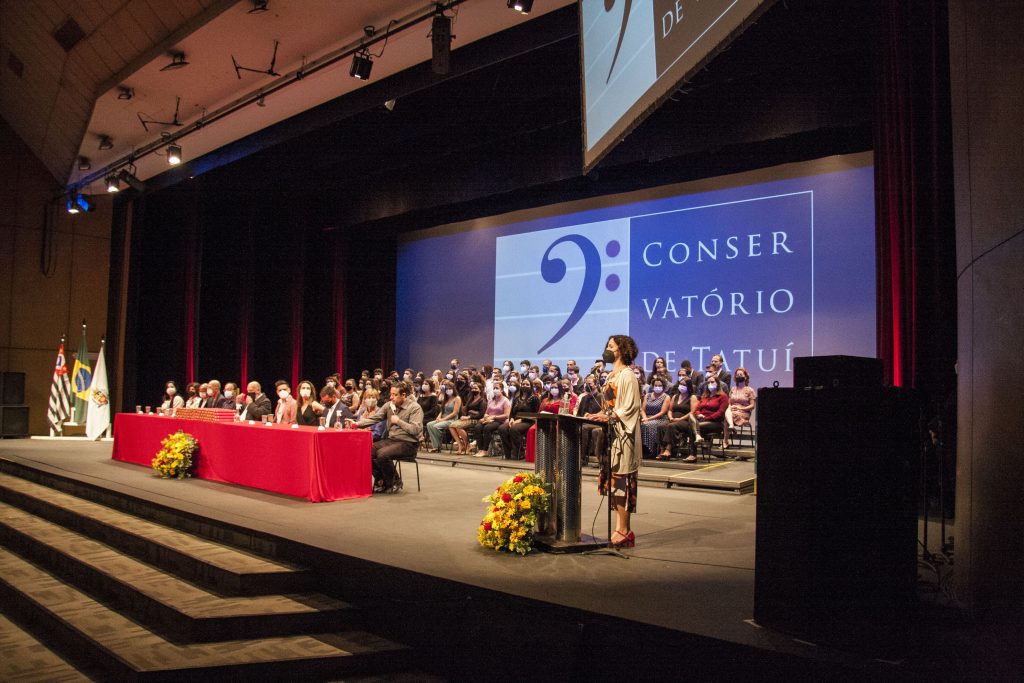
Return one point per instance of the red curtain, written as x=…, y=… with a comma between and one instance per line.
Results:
x=916, y=324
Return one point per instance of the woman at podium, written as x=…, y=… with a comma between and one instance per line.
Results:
x=622, y=411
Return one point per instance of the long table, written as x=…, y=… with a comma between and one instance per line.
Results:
x=303, y=462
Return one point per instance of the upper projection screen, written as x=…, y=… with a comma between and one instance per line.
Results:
x=636, y=52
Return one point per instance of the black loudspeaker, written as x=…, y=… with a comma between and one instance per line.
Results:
x=12, y=388
x=846, y=372
x=13, y=421
x=835, y=555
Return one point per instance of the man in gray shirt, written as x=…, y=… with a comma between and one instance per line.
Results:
x=402, y=439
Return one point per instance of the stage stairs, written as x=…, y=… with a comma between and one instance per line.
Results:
x=128, y=590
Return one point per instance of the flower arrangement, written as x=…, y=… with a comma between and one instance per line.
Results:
x=175, y=458
x=512, y=514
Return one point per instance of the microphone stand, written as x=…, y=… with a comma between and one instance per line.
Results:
x=606, y=470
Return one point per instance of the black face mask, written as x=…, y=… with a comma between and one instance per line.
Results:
x=608, y=356
x=191, y=392
x=326, y=404
x=252, y=395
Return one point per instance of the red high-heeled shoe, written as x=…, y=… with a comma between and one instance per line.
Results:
x=628, y=540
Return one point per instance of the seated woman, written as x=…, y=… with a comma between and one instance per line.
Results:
x=655, y=407
x=171, y=398
x=709, y=416
x=307, y=410
x=742, y=399
x=472, y=410
x=558, y=399
x=428, y=402
x=450, y=405
x=677, y=422
x=659, y=369
x=515, y=428
x=368, y=406
x=496, y=414
x=193, y=400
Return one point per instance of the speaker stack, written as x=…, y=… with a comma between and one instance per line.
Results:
x=13, y=411
x=835, y=555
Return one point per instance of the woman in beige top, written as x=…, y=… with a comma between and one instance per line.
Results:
x=622, y=399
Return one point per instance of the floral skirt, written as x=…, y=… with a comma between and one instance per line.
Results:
x=622, y=485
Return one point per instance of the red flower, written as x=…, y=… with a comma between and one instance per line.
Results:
x=494, y=509
x=506, y=497
x=518, y=479
x=487, y=526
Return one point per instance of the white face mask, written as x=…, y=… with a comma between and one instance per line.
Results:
x=304, y=393
x=202, y=394
x=171, y=391
x=658, y=390
x=425, y=388
x=370, y=402
x=554, y=392
x=229, y=394
x=283, y=393
x=449, y=392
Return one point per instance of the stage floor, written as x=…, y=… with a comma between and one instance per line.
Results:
x=692, y=569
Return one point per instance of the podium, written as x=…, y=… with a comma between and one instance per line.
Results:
x=558, y=462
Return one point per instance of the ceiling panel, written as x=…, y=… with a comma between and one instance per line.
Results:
x=63, y=104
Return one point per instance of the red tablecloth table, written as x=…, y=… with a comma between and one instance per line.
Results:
x=303, y=462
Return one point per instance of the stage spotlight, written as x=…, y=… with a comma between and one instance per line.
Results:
x=84, y=164
x=131, y=181
x=173, y=154
x=177, y=62
x=440, y=42
x=125, y=93
x=77, y=203
x=106, y=142
x=259, y=6
x=390, y=104
x=112, y=184
x=521, y=6
x=361, y=66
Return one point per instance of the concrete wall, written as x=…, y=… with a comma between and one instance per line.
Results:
x=42, y=298
x=987, y=70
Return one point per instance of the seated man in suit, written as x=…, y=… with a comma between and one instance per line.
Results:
x=404, y=424
x=257, y=404
x=335, y=412
x=214, y=399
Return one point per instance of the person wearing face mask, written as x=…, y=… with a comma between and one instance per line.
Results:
x=257, y=404
x=369, y=403
x=590, y=404
x=171, y=398
x=709, y=417
x=495, y=415
x=572, y=376
x=203, y=395
x=429, y=403
x=285, y=411
x=622, y=411
x=403, y=422
x=524, y=400
x=307, y=410
x=506, y=369
x=524, y=367
x=659, y=369
x=656, y=405
x=677, y=421
x=193, y=400
x=742, y=399
x=557, y=399
x=454, y=364
x=214, y=399
x=472, y=410
x=451, y=405
x=335, y=412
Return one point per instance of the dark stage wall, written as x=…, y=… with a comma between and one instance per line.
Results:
x=282, y=264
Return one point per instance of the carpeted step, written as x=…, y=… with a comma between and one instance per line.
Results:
x=225, y=569
x=180, y=610
x=26, y=660
x=129, y=651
